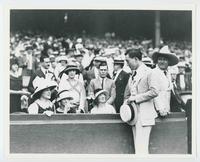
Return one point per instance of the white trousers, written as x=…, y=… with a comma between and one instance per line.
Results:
x=141, y=136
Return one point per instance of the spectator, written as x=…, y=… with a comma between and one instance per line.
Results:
x=103, y=82
x=121, y=79
x=75, y=87
x=100, y=104
x=41, y=98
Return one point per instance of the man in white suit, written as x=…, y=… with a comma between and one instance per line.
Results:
x=142, y=88
x=163, y=59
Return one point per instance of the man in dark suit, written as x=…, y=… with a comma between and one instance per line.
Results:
x=121, y=79
x=43, y=72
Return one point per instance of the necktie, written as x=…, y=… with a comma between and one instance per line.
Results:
x=102, y=84
x=165, y=72
x=134, y=74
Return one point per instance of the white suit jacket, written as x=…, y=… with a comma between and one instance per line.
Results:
x=162, y=101
x=144, y=88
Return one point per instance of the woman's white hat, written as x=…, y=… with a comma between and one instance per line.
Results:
x=100, y=91
x=128, y=113
x=165, y=52
x=64, y=94
x=43, y=84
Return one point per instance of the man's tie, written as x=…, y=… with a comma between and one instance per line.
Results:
x=102, y=84
x=134, y=74
x=165, y=72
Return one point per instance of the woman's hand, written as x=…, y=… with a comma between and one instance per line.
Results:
x=48, y=113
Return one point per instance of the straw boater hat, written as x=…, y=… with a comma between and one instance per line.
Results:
x=128, y=113
x=64, y=94
x=118, y=60
x=42, y=85
x=100, y=91
x=165, y=52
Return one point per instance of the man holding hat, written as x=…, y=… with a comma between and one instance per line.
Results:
x=163, y=58
x=121, y=79
x=139, y=94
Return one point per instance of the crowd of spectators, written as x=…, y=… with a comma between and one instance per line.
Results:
x=28, y=51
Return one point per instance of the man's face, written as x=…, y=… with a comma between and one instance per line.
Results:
x=117, y=67
x=132, y=62
x=163, y=63
x=46, y=63
x=103, y=71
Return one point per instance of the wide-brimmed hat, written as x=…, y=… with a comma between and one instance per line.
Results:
x=42, y=85
x=98, y=92
x=64, y=94
x=128, y=113
x=165, y=52
x=71, y=66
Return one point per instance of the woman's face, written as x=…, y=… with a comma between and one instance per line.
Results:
x=102, y=98
x=72, y=74
x=65, y=102
x=46, y=93
x=14, y=67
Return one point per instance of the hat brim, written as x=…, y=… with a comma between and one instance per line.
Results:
x=67, y=97
x=101, y=92
x=41, y=89
x=133, y=107
x=70, y=69
x=173, y=59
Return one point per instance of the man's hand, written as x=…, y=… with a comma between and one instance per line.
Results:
x=131, y=99
x=163, y=112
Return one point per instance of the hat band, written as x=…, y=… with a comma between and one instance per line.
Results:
x=132, y=112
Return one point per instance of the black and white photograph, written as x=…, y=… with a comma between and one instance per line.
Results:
x=101, y=81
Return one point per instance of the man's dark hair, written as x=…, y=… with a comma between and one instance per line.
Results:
x=43, y=57
x=135, y=52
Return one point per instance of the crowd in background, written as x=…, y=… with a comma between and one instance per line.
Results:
x=29, y=50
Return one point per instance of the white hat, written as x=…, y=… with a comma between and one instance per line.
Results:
x=128, y=113
x=165, y=52
x=43, y=84
x=64, y=94
x=100, y=91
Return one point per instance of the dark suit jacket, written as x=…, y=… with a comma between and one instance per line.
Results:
x=120, y=83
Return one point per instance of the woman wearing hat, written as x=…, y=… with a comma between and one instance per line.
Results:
x=41, y=97
x=64, y=101
x=15, y=85
x=62, y=64
x=74, y=86
x=100, y=105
